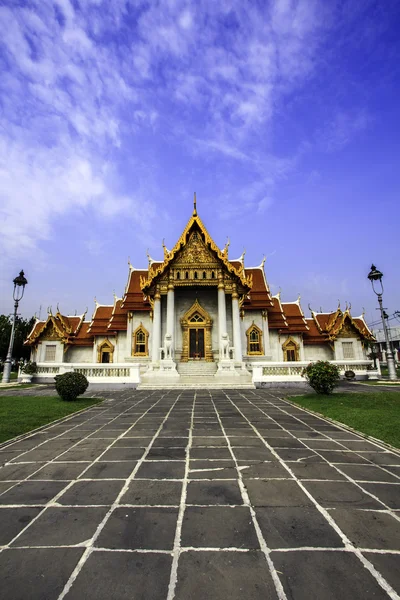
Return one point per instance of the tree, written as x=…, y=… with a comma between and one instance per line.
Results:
x=22, y=329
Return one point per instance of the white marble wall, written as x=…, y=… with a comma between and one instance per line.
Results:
x=80, y=354
x=314, y=352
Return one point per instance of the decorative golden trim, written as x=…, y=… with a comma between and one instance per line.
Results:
x=205, y=323
x=154, y=272
x=146, y=338
x=105, y=346
x=253, y=327
x=291, y=344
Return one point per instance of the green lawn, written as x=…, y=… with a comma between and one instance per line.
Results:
x=19, y=414
x=376, y=414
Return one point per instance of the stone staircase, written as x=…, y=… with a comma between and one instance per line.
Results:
x=197, y=374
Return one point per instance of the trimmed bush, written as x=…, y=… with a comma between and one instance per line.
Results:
x=322, y=376
x=30, y=368
x=71, y=385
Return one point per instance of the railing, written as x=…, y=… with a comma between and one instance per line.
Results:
x=107, y=373
x=291, y=371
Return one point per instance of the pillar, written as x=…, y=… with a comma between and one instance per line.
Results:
x=265, y=328
x=221, y=311
x=171, y=315
x=237, y=338
x=155, y=349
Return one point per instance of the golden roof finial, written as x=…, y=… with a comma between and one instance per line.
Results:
x=194, y=205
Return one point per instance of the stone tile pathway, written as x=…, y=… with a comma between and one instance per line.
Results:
x=207, y=495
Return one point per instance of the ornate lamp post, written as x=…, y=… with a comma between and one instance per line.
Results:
x=19, y=288
x=375, y=277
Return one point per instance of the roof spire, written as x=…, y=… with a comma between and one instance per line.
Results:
x=194, y=205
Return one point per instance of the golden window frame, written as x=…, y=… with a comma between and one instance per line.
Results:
x=291, y=345
x=140, y=329
x=105, y=346
x=258, y=331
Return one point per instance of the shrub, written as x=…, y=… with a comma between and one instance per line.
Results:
x=322, y=376
x=71, y=385
x=29, y=368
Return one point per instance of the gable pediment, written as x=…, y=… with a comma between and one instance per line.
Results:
x=195, y=254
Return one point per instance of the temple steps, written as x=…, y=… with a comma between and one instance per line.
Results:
x=196, y=368
x=204, y=385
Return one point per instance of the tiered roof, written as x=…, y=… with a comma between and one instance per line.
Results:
x=287, y=317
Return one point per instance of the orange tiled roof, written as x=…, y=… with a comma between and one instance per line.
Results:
x=313, y=335
x=100, y=320
x=294, y=316
x=119, y=317
x=133, y=298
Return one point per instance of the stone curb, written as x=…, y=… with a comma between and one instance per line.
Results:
x=61, y=420
x=344, y=426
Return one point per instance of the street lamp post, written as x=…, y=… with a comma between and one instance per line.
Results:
x=19, y=288
x=376, y=276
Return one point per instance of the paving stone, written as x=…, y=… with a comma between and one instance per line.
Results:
x=342, y=457
x=166, y=454
x=265, y=470
x=161, y=470
x=123, y=576
x=288, y=442
x=146, y=528
x=63, y=526
x=315, y=470
x=110, y=470
x=212, y=469
x=369, y=529
x=59, y=471
x=388, y=493
x=10, y=455
x=368, y=473
x=253, y=454
x=209, y=441
x=84, y=454
x=222, y=575
x=17, y=472
x=218, y=527
x=32, y=492
x=213, y=492
x=327, y=575
x=14, y=520
x=237, y=442
x=388, y=565
x=382, y=458
x=37, y=574
x=297, y=454
x=323, y=444
x=92, y=493
x=337, y=494
x=153, y=492
x=294, y=527
x=274, y=492
x=118, y=454
x=132, y=442
x=361, y=445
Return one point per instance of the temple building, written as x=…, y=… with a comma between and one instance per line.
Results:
x=197, y=317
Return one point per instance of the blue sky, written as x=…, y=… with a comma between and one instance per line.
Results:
x=282, y=115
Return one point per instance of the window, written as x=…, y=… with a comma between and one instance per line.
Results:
x=50, y=353
x=105, y=352
x=254, y=345
x=195, y=274
x=140, y=337
x=212, y=275
x=290, y=350
x=187, y=275
x=348, y=350
x=196, y=318
x=204, y=275
x=178, y=275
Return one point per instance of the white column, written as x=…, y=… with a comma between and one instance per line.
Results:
x=155, y=349
x=266, y=342
x=237, y=338
x=221, y=309
x=171, y=315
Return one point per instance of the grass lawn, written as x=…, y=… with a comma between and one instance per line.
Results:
x=376, y=414
x=19, y=414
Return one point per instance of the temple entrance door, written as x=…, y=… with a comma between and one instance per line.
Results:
x=196, y=342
